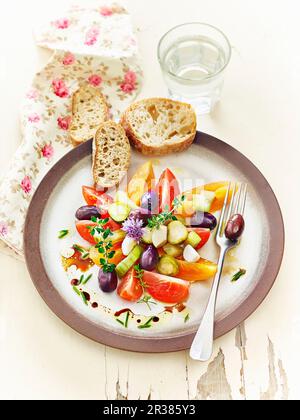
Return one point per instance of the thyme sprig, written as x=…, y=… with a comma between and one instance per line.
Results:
x=157, y=221
x=139, y=274
x=104, y=245
x=238, y=275
x=147, y=300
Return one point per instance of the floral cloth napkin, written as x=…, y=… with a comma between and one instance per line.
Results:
x=94, y=44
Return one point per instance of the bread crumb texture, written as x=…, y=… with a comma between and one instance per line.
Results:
x=160, y=124
x=89, y=110
x=111, y=158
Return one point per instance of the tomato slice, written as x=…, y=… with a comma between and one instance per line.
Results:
x=166, y=289
x=204, y=235
x=167, y=189
x=112, y=225
x=83, y=229
x=96, y=198
x=130, y=288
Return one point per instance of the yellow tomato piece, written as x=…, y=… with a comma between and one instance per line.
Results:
x=141, y=182
x=200, y=271
x=95, y=256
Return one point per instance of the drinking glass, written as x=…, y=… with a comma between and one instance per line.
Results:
x=193, y=59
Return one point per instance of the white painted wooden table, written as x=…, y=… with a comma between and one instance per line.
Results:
x=259, y=114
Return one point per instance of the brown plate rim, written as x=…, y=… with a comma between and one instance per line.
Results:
x=165, y=343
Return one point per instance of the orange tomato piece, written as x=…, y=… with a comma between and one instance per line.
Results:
x=219, y=188
x=141, y=182
x=200, y=271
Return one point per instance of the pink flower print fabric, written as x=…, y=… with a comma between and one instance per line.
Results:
x=93, y=44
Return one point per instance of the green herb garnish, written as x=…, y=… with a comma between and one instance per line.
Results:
x=63, y=233
x=126, y=320
x=76, y=290
x=104, y=245
x=147, y=324
x=84, y=298
x=85, y=281
x=238, y=275
x=187, y=318
x=156, y=221
x=147, y=300
x=140, y=276
x=125, y=323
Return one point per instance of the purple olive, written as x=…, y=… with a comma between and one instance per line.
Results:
x=235, y=227
x=150, y=202
x=149, y=258
x=140, y=214
x=108, y=282
x=203, y=220
x=87, y=212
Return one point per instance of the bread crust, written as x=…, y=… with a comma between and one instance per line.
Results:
x=162, y=149
x=75, y=141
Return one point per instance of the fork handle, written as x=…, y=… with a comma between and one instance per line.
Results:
x=202, y=346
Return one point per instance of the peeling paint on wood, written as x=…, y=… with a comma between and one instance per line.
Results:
x=119, y=395
x=284, y=381
x=240, y=342
x=187, y=379
x=274, y=392
x=213, y=385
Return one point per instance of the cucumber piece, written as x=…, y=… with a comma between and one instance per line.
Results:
x=173, y=250
x=122, y=197
x=193, y=239
x=147, y=237
x=160, y=236
x=124, y=266
x=168, y=266
x=203, y=201
x=119, y=212
x=177, y=233
x=190, y=254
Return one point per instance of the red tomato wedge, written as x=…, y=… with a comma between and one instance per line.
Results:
x=83, y=228
x=130, y=288
x=166, y=289
x=96, y=198
x=112, y=225
x=167, y=189
x=204, y=235
x=84, y=231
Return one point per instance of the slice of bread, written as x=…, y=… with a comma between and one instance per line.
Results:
x=111, y=155
x=160, y=126
x=89, y=110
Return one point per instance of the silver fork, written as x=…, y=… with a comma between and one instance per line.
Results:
x=202, y=346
